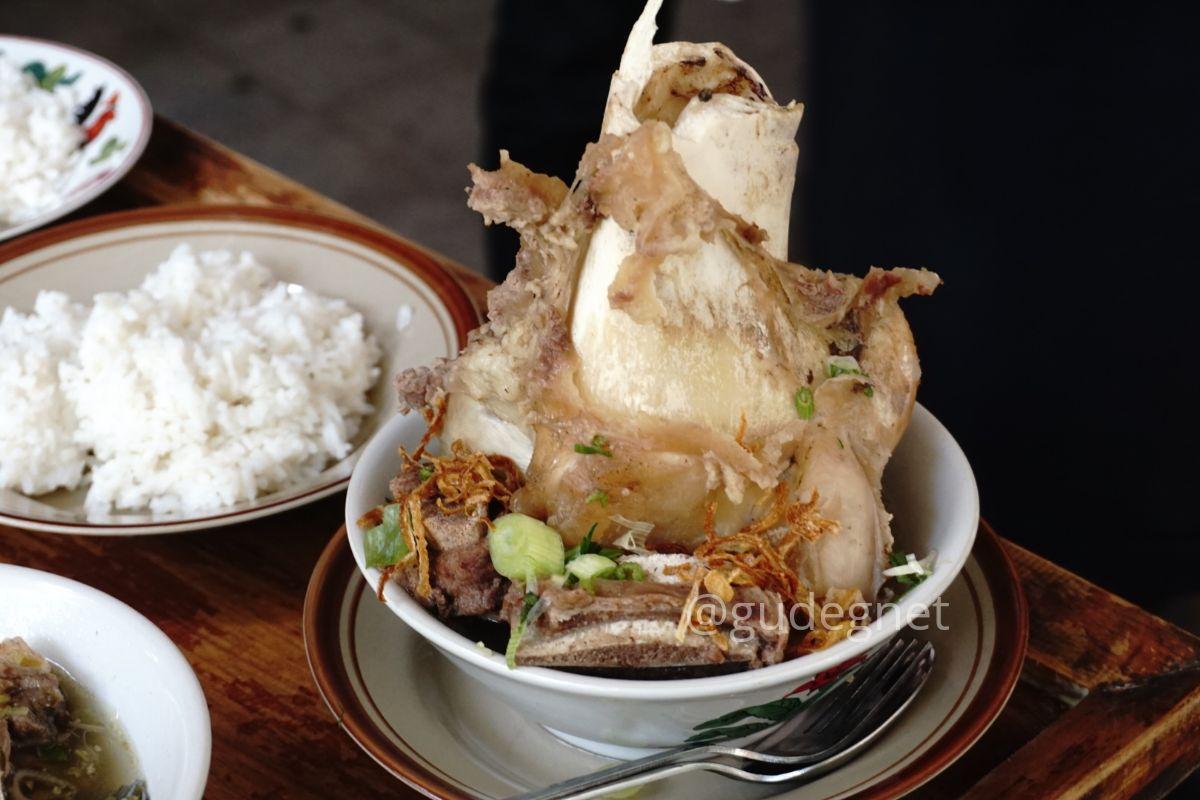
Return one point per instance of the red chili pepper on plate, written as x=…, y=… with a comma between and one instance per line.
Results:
x=110, y=111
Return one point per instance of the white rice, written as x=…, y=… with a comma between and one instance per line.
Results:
x=38, y=452
x=210, y=384
x=39, y=144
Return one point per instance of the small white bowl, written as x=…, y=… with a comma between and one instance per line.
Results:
x=126, y=663
x=118, y=122
x=929, y=488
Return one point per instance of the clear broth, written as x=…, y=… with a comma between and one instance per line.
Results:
x=92, y=761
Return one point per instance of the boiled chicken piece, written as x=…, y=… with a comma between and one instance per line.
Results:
x=652, y=347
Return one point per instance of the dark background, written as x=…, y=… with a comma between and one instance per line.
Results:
x=1040, y=156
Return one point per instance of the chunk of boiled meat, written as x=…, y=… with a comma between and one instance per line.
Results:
x=461, y=575
x=632, y=625
x=31, y=696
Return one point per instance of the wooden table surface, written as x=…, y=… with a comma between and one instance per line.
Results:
x=1108, y=704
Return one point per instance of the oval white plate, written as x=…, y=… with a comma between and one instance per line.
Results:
x=431, y=726
x=118, y=123
x=128, y=665
x=376, y=273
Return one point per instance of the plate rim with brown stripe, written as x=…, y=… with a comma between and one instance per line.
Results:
x=335, y=571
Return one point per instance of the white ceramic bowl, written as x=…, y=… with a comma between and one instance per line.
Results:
x=928, y=486
x=128, y=665
x=118, y=122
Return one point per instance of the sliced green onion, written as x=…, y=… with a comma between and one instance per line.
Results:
x=804, y=402
x=598, y=447
x=514, y=638
x=907, y=579
x=848, y=365
x=385, y=545
x=630, y=571
x=843, y=365
x=599, y=496
x=425, y=473
x=588, y=547
x=591, y=565
x=584, y=546
x=525, y=549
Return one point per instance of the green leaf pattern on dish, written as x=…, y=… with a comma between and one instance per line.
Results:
x=756, y=718
x=112, y=145
x=49, y=79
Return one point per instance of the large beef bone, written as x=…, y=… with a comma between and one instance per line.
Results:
x=742, y=152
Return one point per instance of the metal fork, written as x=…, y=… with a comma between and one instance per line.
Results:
x=815, y=739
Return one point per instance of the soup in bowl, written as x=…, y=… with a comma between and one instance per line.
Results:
x=930, y=488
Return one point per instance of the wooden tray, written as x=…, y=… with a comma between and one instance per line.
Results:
x=1108, y=704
